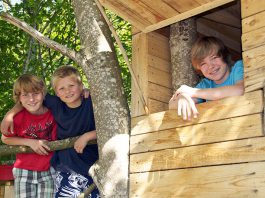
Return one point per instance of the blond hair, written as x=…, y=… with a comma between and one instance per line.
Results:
x=209, y=45
x=28, y=83
x=65, y=71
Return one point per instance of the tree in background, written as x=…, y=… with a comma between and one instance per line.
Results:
x=96, y=55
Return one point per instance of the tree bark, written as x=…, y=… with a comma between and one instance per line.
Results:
x=182, y=35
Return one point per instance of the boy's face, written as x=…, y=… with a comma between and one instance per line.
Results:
x=214, y=68
x=69, y=90
x=32, y=101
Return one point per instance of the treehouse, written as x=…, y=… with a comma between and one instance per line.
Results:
x=220, y=154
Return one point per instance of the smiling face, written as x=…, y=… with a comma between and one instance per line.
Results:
x=214, y=68
x=69, y=90
x=32, y=101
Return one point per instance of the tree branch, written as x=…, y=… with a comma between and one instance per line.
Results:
x=54, y=146
x=39, y=36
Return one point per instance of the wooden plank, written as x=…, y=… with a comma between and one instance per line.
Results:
x=159, y=63
x=225, y=16
x=253, y=39
x=253, y=22
x=158, y=92
x=231, y=36
x=217, y=131
x=182, y=5
x=156, y=106
x=158, y=46
x=250, y=7
x=254, y=67
x=2, y=191
x=255, y=79
x=159, y=77
x=250, y=103
x=238, y=151
x=9, y=192
x=254, y=59
x=162, y=8
x=121, y=8
x=140, y=66
x=187, y=14
x=233, y=181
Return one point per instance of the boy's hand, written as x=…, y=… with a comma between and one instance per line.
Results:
x=80, y=144
x=7, y=123
x=86, y=93
x=185, y=106
x=39, y=146
x=185, y=89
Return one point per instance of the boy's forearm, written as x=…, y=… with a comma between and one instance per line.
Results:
x=91, y=135
x=15, y=109
x=220, y=92
x=15, y=141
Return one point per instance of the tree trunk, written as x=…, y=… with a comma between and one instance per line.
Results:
x=182, y=35
x=110, y=107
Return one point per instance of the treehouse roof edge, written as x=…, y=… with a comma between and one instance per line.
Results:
x=149, y=15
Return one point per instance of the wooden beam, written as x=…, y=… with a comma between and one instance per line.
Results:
x=187, y=14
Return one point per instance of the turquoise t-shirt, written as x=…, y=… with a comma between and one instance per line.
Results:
x=236, y=74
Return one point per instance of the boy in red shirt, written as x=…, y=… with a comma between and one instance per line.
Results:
x=33, y=127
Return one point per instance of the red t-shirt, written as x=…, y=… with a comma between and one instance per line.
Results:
x=27, y=125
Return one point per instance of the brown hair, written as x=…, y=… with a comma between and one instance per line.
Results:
x=28, y=83
x=206, y=46
x=65, y=71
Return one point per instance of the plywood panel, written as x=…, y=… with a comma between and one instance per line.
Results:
x=247, y=150
x=253, y=22
x=250, y=7
x=233, y=181
x=217, y=131
x=250, y=103
x=253, y=39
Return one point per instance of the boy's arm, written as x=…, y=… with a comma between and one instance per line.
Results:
x=82, y=141
x=38, y=146
x=7, y=122
x=213, y=93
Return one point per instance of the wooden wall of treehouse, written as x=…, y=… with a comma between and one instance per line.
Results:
x=220, y=154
